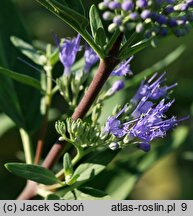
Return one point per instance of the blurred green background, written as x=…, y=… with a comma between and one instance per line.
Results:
x=172, y=176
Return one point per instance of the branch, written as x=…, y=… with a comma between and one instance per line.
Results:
x=29, y=192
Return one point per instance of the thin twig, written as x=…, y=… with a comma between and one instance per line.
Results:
x=41, y=139
x=48, y=100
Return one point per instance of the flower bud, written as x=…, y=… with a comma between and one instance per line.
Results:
x=114, y=146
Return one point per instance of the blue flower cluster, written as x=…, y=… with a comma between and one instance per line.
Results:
x=147, y=120
x=68, y=52
x=150, y=17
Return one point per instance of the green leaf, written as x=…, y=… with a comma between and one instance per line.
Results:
x=127, y=52
x=100, y=37
x=188, y=155
x=128, y=42
x=29, y=51
x=71, y=17
x=68, y=168
x=9, y=12
x=33, y=172
x=52, y=197
x=94, y=165
x=87, y=171
x=6, y=124
x=91, y=168
x=87, y=193
x=76, y=5
x=27, y=80
x=54, y=58
x=14, y=97
x=160, y=65
x=94, y=193
x=9, y=103
x=95, y=21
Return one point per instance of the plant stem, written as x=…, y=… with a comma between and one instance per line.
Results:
x=78, y=156
x=27, y=146
x=106, y=66
x=29, y=192
x=55, y=89
x=48, y=99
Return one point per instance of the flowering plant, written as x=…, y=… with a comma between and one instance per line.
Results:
x=96, y=67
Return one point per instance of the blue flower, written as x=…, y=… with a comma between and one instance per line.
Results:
x=153, y=123
x=148, y=120
x=117, y=86
x=90, y=58
x=146, y=147
x=143, y=106
x=123, y=68
x=152, y=89
x=114, y=126
x=68, y=52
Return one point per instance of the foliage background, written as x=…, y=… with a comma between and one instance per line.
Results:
x=172, y=176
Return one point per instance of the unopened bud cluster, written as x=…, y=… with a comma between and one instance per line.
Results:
x=81, y=133
x=150, y=17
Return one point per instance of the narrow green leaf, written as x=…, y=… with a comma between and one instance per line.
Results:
x=29, y=51
x=87, y=193
x=94, y=193
x=3, y=59
x=54, y=58
x=71, y=17
x=14, y=97
x=9, y=103
x=100, y=37
x=76, y=5
x=188, y=155
x=52, y=197
x=9, y=15
x=95, y=20
x=33, y=172
x=27, y=80
x=67, y=165
x=127, y=52
x=6, y=124
x=128, y=42
x=160, y=65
